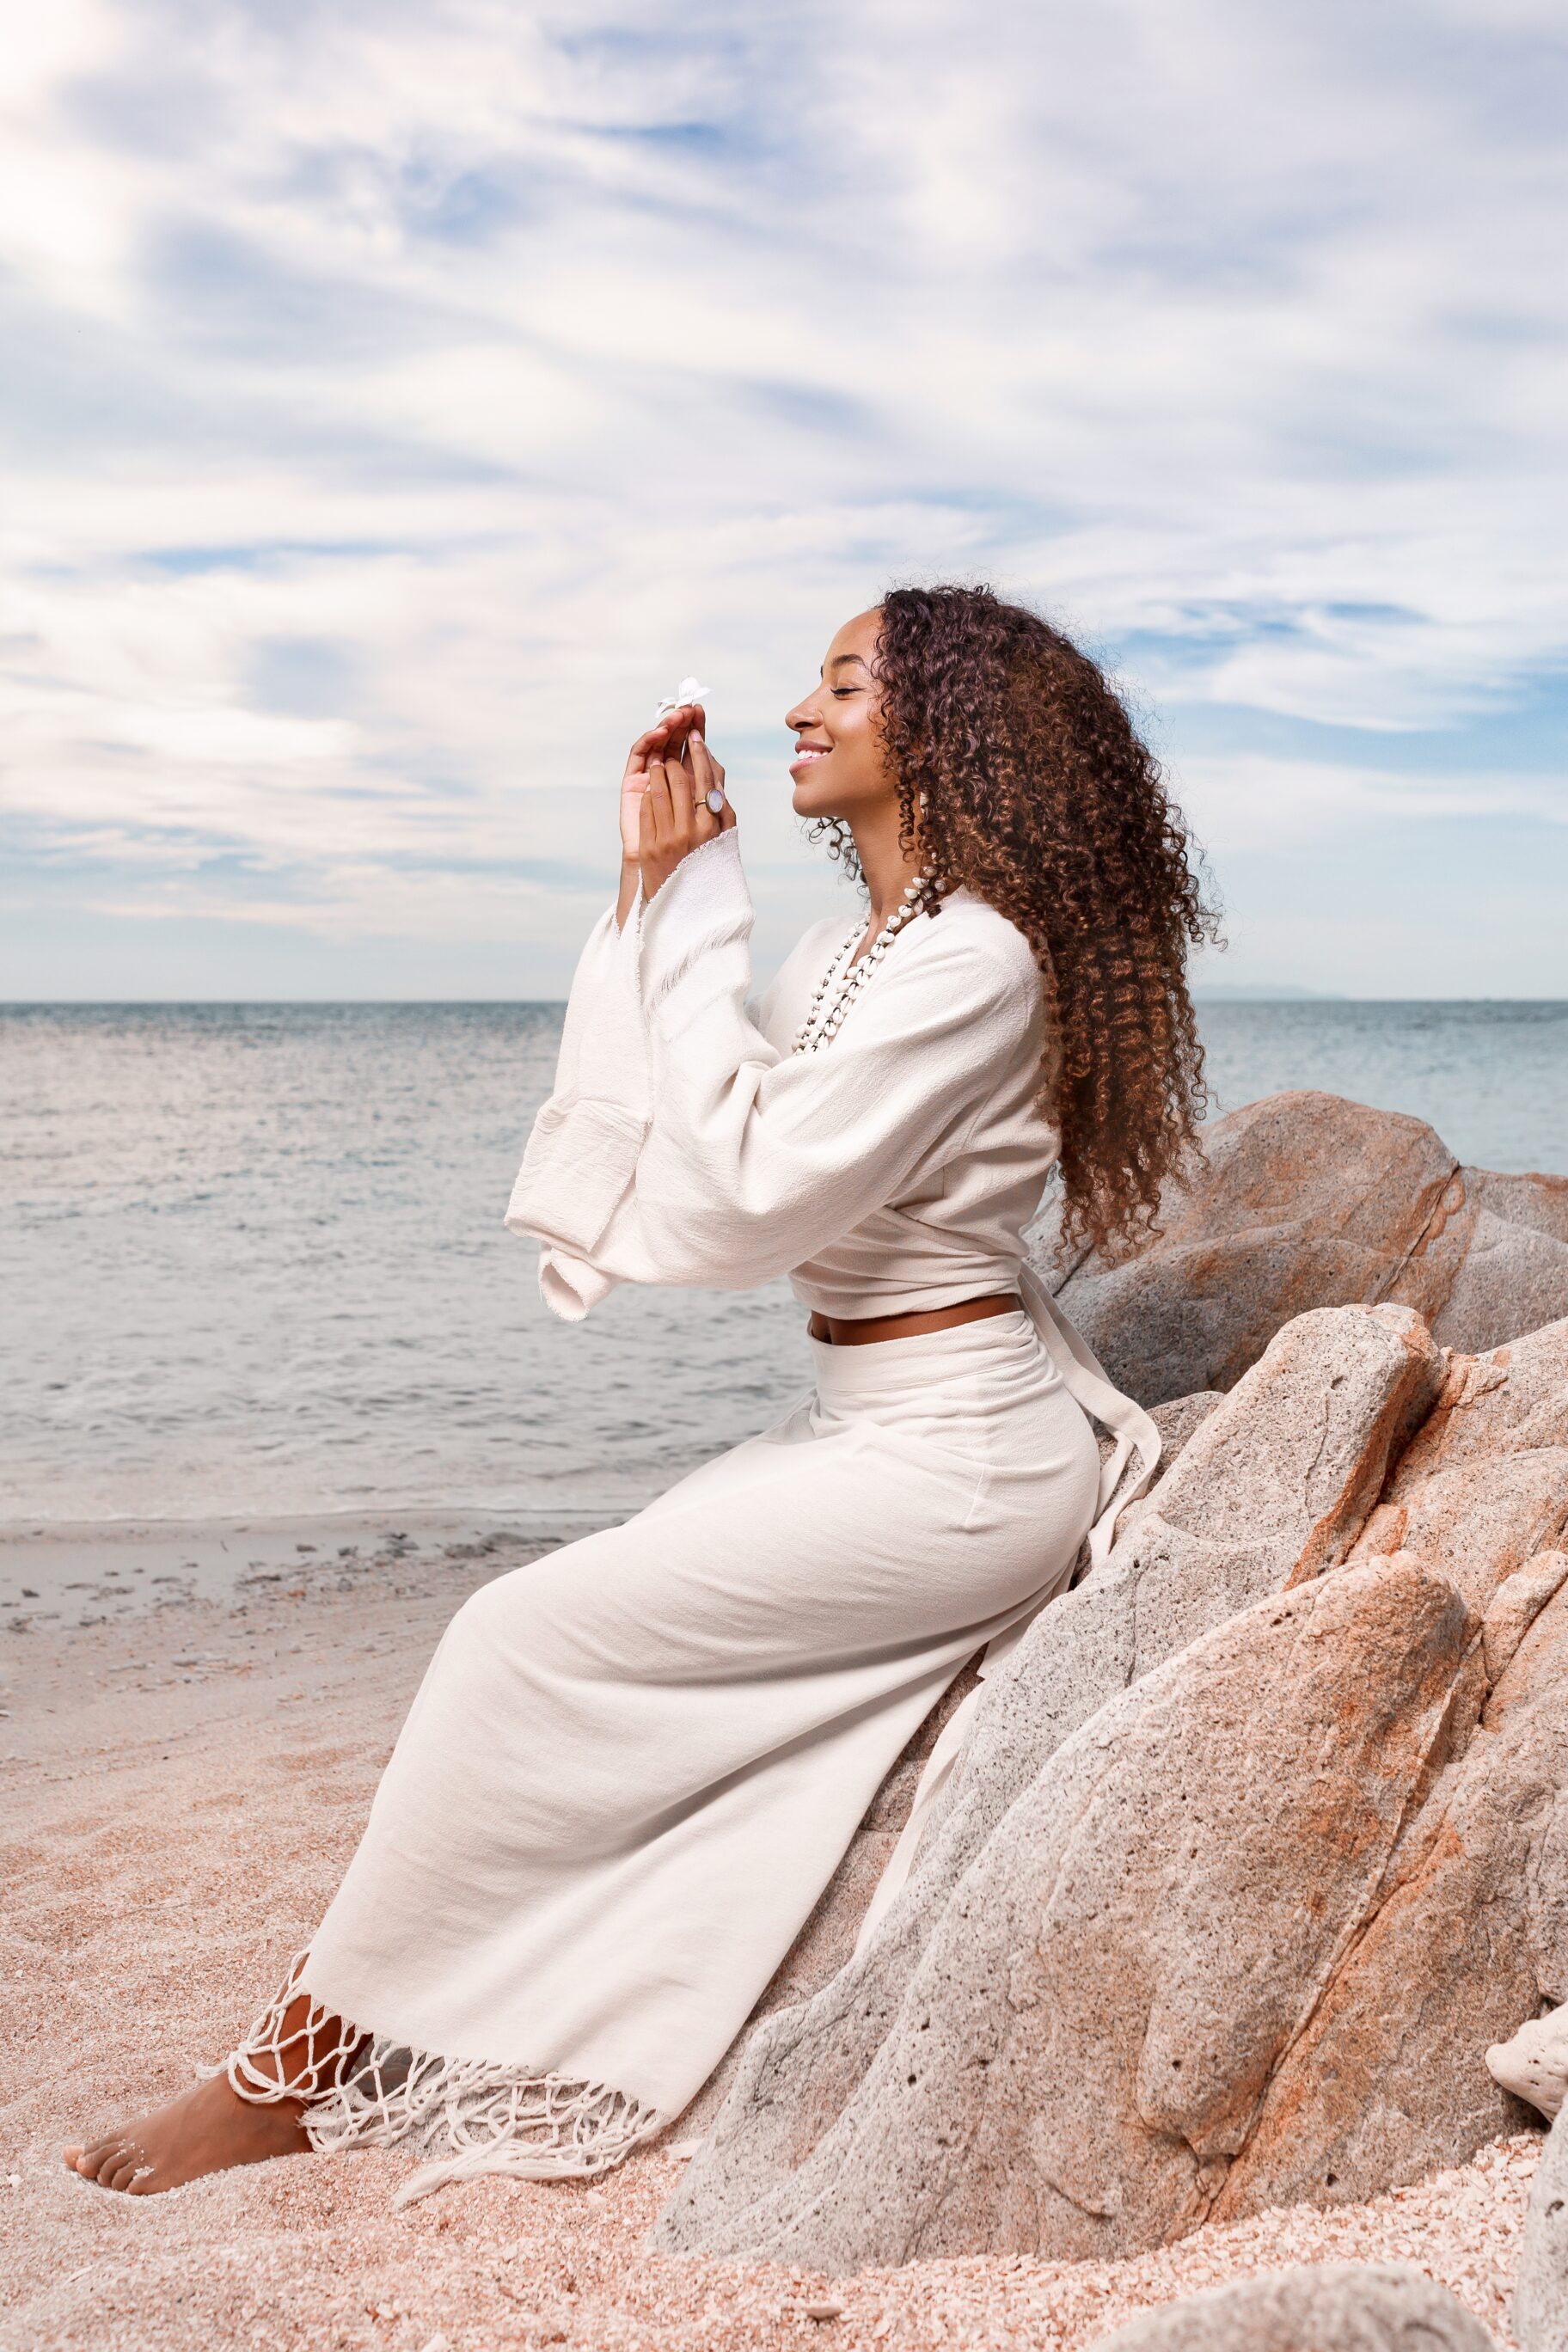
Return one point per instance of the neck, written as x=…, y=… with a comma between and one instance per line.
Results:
x=886, y=867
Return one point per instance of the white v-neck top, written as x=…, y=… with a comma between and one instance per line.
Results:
x=894, y=1169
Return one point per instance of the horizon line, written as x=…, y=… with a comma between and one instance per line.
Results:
x=1237, y=994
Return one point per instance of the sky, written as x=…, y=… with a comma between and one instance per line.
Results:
x=398, y=399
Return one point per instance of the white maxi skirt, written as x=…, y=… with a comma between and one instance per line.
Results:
x=633, y=1765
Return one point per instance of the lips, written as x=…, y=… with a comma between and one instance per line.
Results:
x=806, y=753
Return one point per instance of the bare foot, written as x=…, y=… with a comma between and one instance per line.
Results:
x=207, y=2129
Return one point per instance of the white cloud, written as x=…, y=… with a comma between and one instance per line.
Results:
x=1276, y=804
x=524, y=358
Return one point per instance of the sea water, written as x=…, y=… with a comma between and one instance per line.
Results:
x=252, y=1258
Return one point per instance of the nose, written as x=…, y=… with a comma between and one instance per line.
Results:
x=804, y=714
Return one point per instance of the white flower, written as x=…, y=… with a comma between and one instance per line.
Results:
x=690, y=689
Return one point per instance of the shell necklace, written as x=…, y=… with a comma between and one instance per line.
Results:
x=842, y=982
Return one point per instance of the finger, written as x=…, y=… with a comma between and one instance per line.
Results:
x=724, y=818
x=636, y=758
x=694, y=823
x=716, y=764
x=657, y=792
x=659, y=849
x=660, y=803
x=704, y=820
x=683, y=812
x=706, y=776
x=647, y=744
x=702, y=763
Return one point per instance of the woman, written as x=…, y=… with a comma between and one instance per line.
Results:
x=634, y=1765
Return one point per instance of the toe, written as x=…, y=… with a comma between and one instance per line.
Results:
x=70, y=2156
x=124, y=2172
x=99, y=2162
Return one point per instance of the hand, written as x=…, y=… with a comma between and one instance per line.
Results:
x=668, y=734
x=673, y=812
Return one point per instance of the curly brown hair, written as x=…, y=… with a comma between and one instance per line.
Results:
x=1021, y=777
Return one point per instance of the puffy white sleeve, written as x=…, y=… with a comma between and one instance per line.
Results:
x=681, y=1147
x=582, y=1148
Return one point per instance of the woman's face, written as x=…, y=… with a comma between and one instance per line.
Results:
x=840, y=766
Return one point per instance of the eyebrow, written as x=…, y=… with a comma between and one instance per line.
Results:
x=840, y=659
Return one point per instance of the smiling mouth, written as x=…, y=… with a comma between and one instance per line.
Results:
x=806, y=753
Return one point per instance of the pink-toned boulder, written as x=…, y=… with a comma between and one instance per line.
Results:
x=1484, y=1485
x=1198, y=1936
x=1273, y=1482
x=1509, y=1258
x=1387, y=2079
x=1316, y=2307
x=1080, y=2056
x=1305, y=1200
x=1541, y=2296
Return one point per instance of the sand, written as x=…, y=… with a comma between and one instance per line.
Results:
x=181, y=1785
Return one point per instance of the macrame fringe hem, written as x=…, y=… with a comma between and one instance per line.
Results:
x=467, y=2116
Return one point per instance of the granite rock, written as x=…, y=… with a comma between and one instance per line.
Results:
x=1541, y=2294
x=1387, y=2080
x=1534, y=2063
x=1225, y=1903
x=1318, y=2307
x=1084, y=2047
x=1271, y=1486
x=1304, y=1199
x=1512, y=1272
x=1484, y=1485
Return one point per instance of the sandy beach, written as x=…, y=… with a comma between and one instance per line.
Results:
x=184, y=1780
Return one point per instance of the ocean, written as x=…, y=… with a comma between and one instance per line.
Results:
x=252, y=1261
